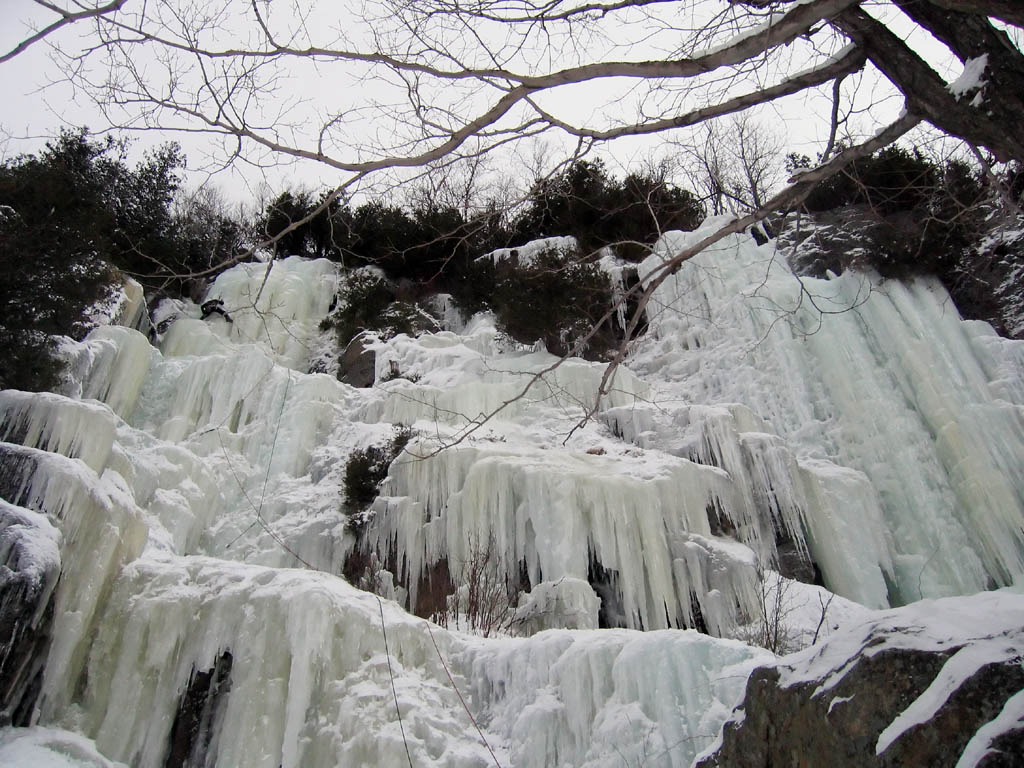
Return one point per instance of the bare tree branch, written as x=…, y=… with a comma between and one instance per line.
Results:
x=66, y=17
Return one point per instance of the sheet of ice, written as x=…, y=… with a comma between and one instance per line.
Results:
x=101, y=530
x=876, y=377
x=460, y=379
x=277, y=304
x=606, y=698
x=117, y=364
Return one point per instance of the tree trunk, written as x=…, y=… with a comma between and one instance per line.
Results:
x=990, y=118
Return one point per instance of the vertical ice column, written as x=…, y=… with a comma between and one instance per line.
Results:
x=873, y=375
x=120, y=363
x=101, y=530
x=277, y=304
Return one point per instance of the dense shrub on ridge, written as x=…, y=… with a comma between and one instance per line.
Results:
x=556, y=298
x=436, y=244
x=370, y=303
x=598, y=210
x=928, y=214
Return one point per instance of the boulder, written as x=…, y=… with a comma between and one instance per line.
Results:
x=357, y=365
x=907, y=689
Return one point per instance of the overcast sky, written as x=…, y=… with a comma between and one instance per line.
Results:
x=35, y=104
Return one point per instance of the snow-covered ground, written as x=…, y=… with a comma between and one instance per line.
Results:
x=197, y=485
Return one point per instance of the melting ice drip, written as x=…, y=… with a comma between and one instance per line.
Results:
x=185, y=484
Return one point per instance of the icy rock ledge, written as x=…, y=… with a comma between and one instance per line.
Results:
x=937, y=683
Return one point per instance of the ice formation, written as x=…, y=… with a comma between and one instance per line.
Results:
x=859, y=375
x=189, y=492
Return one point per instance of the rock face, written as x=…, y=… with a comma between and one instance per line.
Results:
x=29, y=568
x=356, y=366
x=910, y=694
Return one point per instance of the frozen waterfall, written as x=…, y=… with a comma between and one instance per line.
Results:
x=173, y=521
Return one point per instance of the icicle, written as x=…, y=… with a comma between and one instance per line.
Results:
x=309, y=682
x=120, y=364
x=76, y=429
x=878, y=377
x=539, y=507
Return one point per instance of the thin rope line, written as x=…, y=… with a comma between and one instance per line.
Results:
x=459, y=694
x=273, y=444
x=394, y=691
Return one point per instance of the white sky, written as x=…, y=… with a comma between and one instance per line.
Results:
x=36, y=105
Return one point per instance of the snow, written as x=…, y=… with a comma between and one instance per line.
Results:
x=971, y=79
x=564, y=604
x=72, y=428
x=29, y=551
x=1011, y=718
x=525, y=255
x=982, y=629
x=50, y=748
x=959, y=668
x=125, y=306
x=927, y=625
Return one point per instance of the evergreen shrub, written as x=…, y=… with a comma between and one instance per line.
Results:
x=365, y=471
x=556, y=298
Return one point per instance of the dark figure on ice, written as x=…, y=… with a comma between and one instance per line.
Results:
x=215, y=306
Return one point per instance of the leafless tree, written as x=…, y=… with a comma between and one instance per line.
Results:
x=482, y=602
x=417, y=83
x=735, y=165
x=384, y=89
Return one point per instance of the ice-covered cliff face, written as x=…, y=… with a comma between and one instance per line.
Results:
x=188, y=496
x=905, y=423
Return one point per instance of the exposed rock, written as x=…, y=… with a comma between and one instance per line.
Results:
x=815, y=244
x=795, y=563
x=913, y=692
x=200, y=710
x=29, y=569
x=357, y=364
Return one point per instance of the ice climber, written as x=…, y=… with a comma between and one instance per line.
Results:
x=215, y=306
